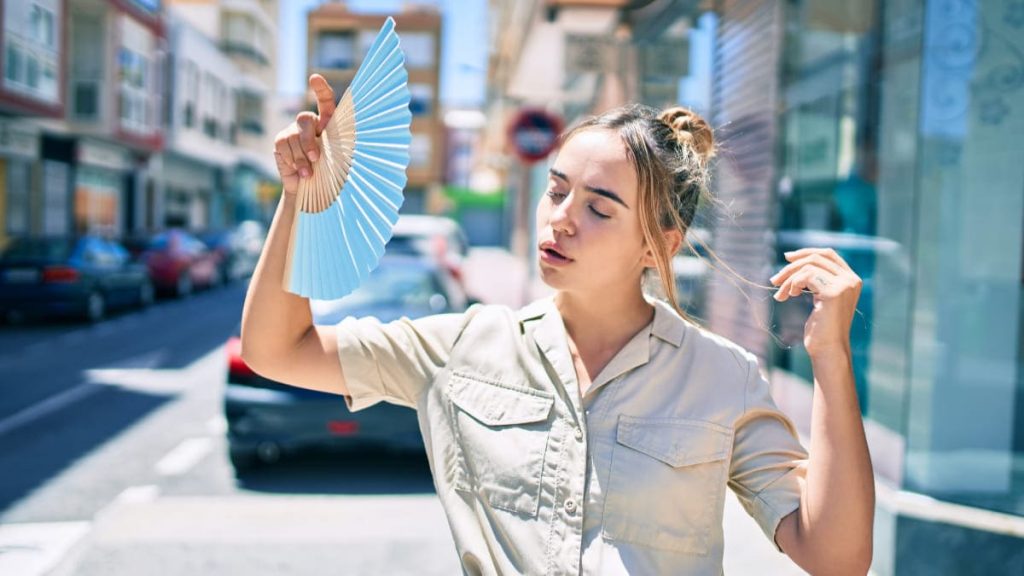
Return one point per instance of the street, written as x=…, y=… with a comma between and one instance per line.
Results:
x=113, y=440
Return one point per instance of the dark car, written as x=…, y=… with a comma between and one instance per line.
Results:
x=266, y=418
x=82, y=276
x=178, y=262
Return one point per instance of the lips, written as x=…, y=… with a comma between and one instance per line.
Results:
x=554, y=250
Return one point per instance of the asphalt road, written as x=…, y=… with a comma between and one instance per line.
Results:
x=112, y=443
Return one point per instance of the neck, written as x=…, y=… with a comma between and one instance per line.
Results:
x=600, y=321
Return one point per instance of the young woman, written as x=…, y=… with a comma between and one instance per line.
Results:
x=595, y=432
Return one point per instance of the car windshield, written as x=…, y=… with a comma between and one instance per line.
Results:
x=49, y=249
x=393, y=283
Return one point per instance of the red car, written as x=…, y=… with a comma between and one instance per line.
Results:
x=179, y=262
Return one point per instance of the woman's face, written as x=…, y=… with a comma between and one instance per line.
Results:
x=590, y=216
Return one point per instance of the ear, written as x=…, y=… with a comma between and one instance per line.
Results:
x=673, y=240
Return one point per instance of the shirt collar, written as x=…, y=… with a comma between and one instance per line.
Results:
x=668, y=325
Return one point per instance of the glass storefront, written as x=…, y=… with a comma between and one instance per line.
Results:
x=900, y=147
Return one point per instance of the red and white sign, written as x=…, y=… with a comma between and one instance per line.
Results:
x=533, y=134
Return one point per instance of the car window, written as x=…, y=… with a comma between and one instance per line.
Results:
x=396, y=283
x=119, y=253
x=50, y=249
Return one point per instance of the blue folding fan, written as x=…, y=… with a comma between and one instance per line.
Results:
x=346, y=210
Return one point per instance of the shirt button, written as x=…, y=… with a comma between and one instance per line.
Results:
x=570, y=505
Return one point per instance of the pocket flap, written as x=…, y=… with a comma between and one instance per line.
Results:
x=674, y=441
x=498, y=405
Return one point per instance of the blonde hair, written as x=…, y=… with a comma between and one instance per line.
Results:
x=670, y=151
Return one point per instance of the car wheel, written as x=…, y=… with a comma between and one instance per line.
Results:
x=95, y=307
x=146, y=295
x=183, y=287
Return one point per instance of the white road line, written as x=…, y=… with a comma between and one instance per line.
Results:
x=48, y=406
x=184, y=456
x=138, y=494
x=217, y=425
x=34, y=549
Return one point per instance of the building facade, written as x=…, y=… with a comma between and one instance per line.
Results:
x=245, y=34
x=337, y=42
x=887, y=130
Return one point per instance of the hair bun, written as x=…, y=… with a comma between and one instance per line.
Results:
x=690, y=129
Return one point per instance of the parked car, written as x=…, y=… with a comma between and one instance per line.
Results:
x=248, y=238
x=82, y=276
x=179, y=262
x=221, y=244
x=691, y=269
x=267, y=419
x=436, y=237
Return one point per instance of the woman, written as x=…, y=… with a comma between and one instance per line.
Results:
x=596, y=431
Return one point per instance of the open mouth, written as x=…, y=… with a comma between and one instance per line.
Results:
x=555, y=254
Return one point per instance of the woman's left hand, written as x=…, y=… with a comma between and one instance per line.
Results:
x=836, y=289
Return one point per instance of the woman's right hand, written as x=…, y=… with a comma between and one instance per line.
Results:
x=297, y=147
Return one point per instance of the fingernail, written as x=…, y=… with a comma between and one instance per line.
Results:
x=313, y=155
x=304, y=172
x=790, y=253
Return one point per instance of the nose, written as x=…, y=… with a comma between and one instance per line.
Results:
x=561, y=217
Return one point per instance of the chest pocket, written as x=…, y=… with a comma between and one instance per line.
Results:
x=667, y=484
x=502, y=437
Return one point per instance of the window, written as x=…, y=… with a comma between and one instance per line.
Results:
x=422, y=99
x=86, y=61
x=419, y=151
x=419, y=49
x=32, y=48
x=250, y=113
x=335, y=50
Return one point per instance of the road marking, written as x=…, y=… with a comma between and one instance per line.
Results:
x=48, y=406
x=217, y=425
x=184, y=456
x=138, y=494
x=35, y=548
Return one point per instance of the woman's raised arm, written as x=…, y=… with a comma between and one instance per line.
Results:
x=279, y=340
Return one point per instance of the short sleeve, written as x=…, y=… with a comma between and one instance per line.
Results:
x=769, y=465
x=395, y=361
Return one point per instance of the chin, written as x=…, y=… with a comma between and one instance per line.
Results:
x=553, y=278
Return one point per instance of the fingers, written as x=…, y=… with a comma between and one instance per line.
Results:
x=301, y=162
x=306, y=121
x=816, y=258
x=811, y=277
x=284, y=167
x=324, y=100
x=283, y=152
x=826, y=252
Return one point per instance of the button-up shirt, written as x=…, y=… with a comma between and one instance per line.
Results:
x=629, y=478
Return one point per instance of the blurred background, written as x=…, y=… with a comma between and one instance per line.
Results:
x=137, y=184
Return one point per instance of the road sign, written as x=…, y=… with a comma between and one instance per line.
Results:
x=533, y=133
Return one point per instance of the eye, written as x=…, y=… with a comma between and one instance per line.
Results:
x=598, y=214
x=555, y=195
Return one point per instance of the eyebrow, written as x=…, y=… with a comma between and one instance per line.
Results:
x=599, y=191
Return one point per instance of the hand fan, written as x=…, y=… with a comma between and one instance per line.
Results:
x=346, y=210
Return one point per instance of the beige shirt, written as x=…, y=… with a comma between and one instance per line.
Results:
x=629, y=479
